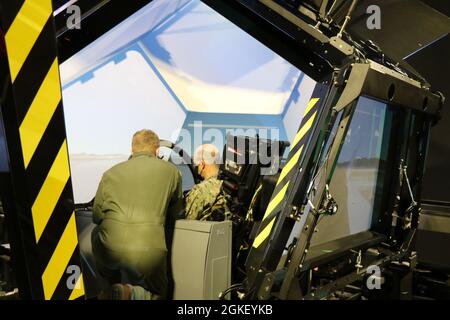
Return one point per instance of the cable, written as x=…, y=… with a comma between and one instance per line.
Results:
x=249, y=216
x=232, y=288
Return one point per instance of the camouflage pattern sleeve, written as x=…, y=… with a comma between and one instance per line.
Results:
x=193, y=200
x=202, y=196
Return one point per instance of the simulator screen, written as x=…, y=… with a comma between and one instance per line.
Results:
x=182, y=70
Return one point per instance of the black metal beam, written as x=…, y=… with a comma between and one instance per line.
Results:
x=99, y=17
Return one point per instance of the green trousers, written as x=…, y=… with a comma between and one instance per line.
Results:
x=142, y=268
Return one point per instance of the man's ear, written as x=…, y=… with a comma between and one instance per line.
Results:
x=157, y=152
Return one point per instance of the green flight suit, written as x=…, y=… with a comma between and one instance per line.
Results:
x=133, y=200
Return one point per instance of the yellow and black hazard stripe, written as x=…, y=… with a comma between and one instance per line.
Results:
x=289, y=170
x=32, y=56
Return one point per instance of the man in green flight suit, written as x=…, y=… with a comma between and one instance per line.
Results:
x=134, y=202
x=205, y=197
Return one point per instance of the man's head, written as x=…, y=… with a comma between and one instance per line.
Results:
x=206, y=159
x=145, y=141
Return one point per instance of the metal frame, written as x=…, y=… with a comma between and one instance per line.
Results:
x=260, y=286
x=93, y=23
x=375, y=80
x=265, y=258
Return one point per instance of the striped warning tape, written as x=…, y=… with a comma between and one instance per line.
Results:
x=31, y=46
x=287, y=173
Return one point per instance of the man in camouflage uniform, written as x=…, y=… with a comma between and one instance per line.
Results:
x=206, y=198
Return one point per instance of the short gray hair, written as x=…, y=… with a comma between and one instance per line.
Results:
x=207, y=153
x=145, y=140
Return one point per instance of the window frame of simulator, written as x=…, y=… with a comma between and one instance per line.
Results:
x=345, y=68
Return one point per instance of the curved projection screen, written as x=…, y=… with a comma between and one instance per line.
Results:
x=182, y=70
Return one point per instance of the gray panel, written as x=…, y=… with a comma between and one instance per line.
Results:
x=436, y=223
x=188, y=263
x=218, y=271
x=433, y=237
x=201, y=259
x=194, y=225
x=219, y=267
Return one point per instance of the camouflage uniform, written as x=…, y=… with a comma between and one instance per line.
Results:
x=204, y=198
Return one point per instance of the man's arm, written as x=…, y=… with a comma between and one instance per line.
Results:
x=98, y=214
x=195, y=202
x=176, y=210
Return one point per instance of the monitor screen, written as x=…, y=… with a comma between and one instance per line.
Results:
x=182, y=70
x=358, y=177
